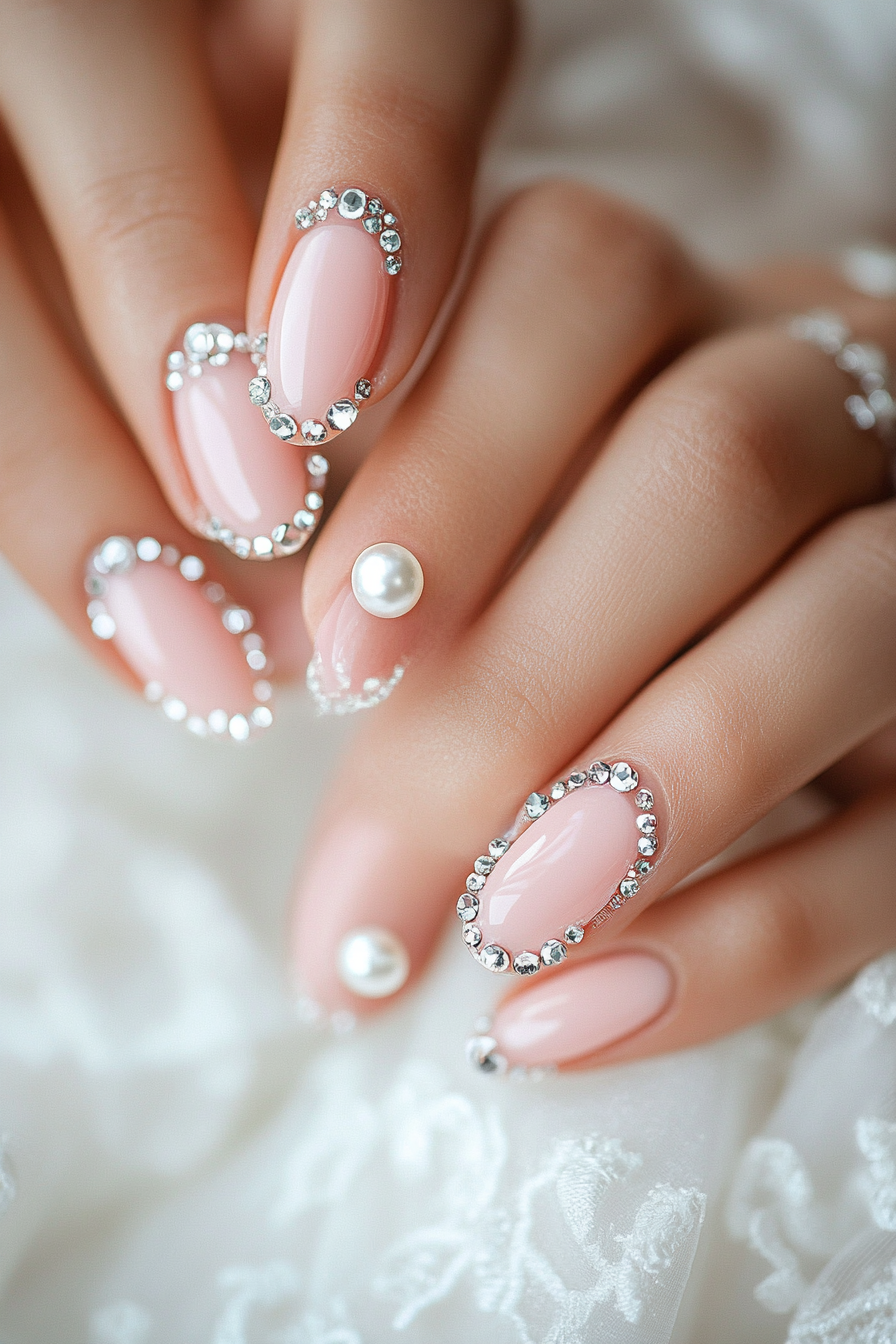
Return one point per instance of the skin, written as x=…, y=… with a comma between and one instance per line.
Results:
x=746, y=621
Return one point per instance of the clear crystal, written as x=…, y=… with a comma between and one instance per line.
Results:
x=576, y=780
x=342, y=414
x=170, y=556
x=860, y=411
x=644, y=799
x=217, y=720
x=280, y=532
x=475, y=882
x=197, y=726
x=256, y=660
x=642, y=867
x=259, y=391
x=262, y=546
x=175, y=709
x=304, y=520
x=283, y=426
x=526, y=963
x=574, y=933
x=175, y=381
x=472, y=935
x=628, y=887
x=239, y=727
x=95, y=586
x=214, y=592
x=176, y=359
x=304, y=218
x=389, y=219
x=373, y=225
x=195, y=371
x=558, y=791
x=313, y=432
x=241, y=343
x=148, y=549
x=237, y=620
x=536, y=805
x=623, y=778
x=328, y=198
x=498, y=848
x=242, y=547
x=484, y=865
x=393, y=265
x=647, y=823
x=482, y=1055
x=553, y=952
x=494, y=958
x=192, y=568
x=375, y=205
x=321, y=213
x=261, y=716
x=199, y=341
x=352, y=203
x=262, y=690
x=647, y=845
x=467, y=907
x=362, y=389
x=116, y=555
x=269, y=410
x=317, y=464
x=313, y=500
x=103, y=625
x=599, y=772
x=390, y=241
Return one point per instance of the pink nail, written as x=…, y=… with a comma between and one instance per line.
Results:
x=590, y=845
x=587, y=1008
x=357, y=660
x=194, y=651
x=328, y=318
x=247, y=481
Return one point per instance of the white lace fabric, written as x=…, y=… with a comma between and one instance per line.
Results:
x=182, y=1161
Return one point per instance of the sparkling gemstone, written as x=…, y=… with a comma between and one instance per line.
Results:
x=375, y=205
x=498, y=848
x=647, y=823
x=192, y=568
x=623, y=778
x=217, y=720
x=328, y=198
x=860, y=411
x=644, y=798
x=117, y=555
x=176, y=360
x=241, y=343
x=199, y=341
x=393, y=265
x=467, y=907
x=239, y=727
x=553, y=952
x=262, y=690
x=574, y=934
x=390, y=241
x=373, y=225
x=261, y=716
x=279, y=533
x=616, y=903
x=389, y=219
x=214, y=592
x=475, y=883
x=362, y=389
x=482, y=1055
x=304, y=218
x=237, y=620
x=175, y=381
x=642, y=867
x=526, y=963
x=313, y=432
x=628, y=887
x=342, y=414
x=599, y=772
x=262, y=546
x=283, y=426
x=175, y=709
x=558, y=791
x=197, y=726
x=576, y=780
x=484, y=865
x=256, y=660
x=242, y=547
x=304, y=520
x=472, y=935
x=170, y=556
x=321, y=213
x=494, y=958
x=259, y=391
x=95, y=586
x=148, y=549
x=647, y=845
x=316, y=465
x=195, y=371
x=103, y=625
x=269, y=410
x=352, y=203
x=536, y=805
x=313, y=500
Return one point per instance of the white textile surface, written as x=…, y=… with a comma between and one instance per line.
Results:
x=185, y=1161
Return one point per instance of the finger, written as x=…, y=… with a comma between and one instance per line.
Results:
x=560, y=317
x=727, y=952
x=112, y=114
x=155, y=612
x=390, y=102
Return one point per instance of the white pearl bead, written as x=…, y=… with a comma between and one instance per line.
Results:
x=372, y=962
x=387, y=580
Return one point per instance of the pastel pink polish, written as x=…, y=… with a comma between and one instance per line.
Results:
x=357, y=660
x=244, y=476
x=583, y=1009
x=328, y=318
x=561, y=871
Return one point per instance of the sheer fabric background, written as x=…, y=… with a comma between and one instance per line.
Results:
x=185, y=1160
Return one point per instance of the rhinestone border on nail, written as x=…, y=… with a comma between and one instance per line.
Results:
x=213, y=343
x=620, y=776
x=372, y=215
x=120, y=555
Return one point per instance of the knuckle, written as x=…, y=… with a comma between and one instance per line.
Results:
x=141, y=207
x=866, y=543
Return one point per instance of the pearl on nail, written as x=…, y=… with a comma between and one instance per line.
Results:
x=372, y=962
x=387, y=580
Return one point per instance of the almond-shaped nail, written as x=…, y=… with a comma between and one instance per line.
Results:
x=588, y=845
x=255, y=494
x=577, y=1013
x=194, y=651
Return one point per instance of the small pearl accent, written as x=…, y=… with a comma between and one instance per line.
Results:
x=372, y=963
x=387, y=580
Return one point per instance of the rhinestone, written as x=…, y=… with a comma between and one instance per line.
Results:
x=197, y=726
x=269, y=410
x=256, y=660
x=262, y=690
x=328, y=198
x=304, y=520
x=352, y=203
x=242, y=547
x=237, y=620
x=304, y=218
x=375, y=205
x=250, y=642
x=389, y=219
x=95, y=586
x=628, y=887
x=195, y=371
x=526, y=963
x=95, y=608
x=860, y=411
x=393, y=265
x=321, y=213
x=482, y=1055
x=241, y=343
x=148, y=548
x=647, y=845
x=214, y=592
x=390, y=241
x=283, y=426
x=262, y=717
x=484, y=865
x=467, y=907
x=574, y=933
x=199, y=341
x=259, y=343
x=362, y=389
x=192, y=568
x=262, y=546
x=494, y=958
x=176, y=359
x=103, y=625
x=219, y=360
x=623, y=778
x=175, y=381
x=116, y=555
x=553, y=952
x=373, y=225
x=342, y=414
x=217, y=720
x=170, y=556
x=616, y=903
x=259, y=391
x=472, y=935
x=647, y=823
x=316, y=465
x=475, y=883
x=599, y=772
x=576, y=780
x=558, y=791
x=239, y=727
x=279, y=533
x=313, y=500
x=313, y=432
x=536, y=805
x=644, y=799
x=175, y=709
x=642, y=867
x=498, y=848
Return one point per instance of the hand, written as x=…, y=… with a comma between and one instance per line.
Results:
x=147, y=131
x=650, y=533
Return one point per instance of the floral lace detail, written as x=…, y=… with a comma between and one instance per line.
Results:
x=875, y=989
x=854, y=1300
x=876, y=1140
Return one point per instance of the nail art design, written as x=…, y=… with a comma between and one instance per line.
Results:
x=328, y=318
x=372, y=963
x=387, y=580
x=257, y=498
x=577, y=854
x=194, y=649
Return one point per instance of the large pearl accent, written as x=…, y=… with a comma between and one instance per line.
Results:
x=387, y=580
x=372, y=963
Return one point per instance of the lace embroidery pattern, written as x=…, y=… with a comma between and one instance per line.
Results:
x=875, y=989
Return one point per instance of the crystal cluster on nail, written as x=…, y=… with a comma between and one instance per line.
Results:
x=874, y=405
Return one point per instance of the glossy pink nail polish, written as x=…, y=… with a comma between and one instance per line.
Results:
x=584, y=1009
x=328, y=318
x=357, y=660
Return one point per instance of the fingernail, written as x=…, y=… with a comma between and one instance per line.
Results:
x=372, y=962
x=360, y=651
x=330, y=313
x=588, y=845
x=573, y=1015
x=194, y=650
x=256, y=495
